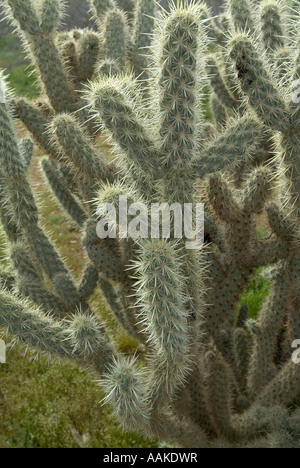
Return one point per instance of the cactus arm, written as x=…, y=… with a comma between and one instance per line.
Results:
x=261, y=368
x=100, y=7
x=218, y=84
x=88, y=283
x=32, y=328
x=62, y=192
x=271, y=25
x=166, y=425
x=125, y=388
x=144, y=24
x=236, y=143
x=104, y=254
x=161, y=298
x=22, y=13
x=290, y=145
x=53, y=265
x=178, y=46
x=269, y=251
x=258, y=84
x=39, y=36
x=37, y=125
x=51, y=15
x=83, y=340
x=222, y=200
x=107, y=68
x=26, y=149
x=219, y=111
x=115, y=37
x=116, y=303
x=88, y=50
x=115, y=108
x=12, y=230
x=22, y=202
x=212, y=229
x=241, y=16
x=17, y=189
x=219, y=397
x=283, y=225
x=30, y=281
x=68, y=54
x=283, y=387
x=257, y=191
x=241, y=353
x=142, y=36
x=71, y=139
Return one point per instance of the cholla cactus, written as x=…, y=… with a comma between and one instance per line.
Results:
x=212, y=377
x=66, y=62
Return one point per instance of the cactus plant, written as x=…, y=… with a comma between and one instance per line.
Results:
x=212, y=376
